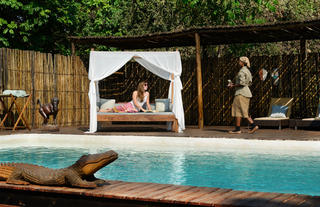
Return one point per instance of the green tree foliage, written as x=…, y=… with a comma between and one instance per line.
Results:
x=141, y=16
x=98, y=17
x=36, y=25
x=45, y=25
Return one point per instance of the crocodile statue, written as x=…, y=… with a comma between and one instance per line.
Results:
x=80, y=174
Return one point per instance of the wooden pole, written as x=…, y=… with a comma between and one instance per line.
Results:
x=303, y=49
x=303, y=58
x=73, y=49
x=199, y=81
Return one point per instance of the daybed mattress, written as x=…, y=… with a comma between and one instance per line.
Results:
x=139, y=113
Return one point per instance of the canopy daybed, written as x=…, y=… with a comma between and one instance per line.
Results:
x=166, y=65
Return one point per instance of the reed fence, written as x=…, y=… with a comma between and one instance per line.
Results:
x=298, y=79
x=45, y=76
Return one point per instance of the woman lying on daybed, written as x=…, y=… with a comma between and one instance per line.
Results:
x=139, y=98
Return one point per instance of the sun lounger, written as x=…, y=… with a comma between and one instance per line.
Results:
x=308, y=122
x=166, y=116
x=140, y=117
x=272, y=119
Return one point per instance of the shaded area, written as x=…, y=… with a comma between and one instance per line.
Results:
x=216, y=35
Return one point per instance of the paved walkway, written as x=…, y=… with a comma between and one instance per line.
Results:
x=191, y=131
x=121, y=193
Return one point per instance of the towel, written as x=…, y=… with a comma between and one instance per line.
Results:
x=16, y=93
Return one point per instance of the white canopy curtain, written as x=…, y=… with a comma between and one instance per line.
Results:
x=163, y=64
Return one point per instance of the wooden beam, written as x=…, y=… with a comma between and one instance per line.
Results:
x=199, y=81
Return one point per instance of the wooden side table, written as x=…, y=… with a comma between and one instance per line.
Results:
x=20, y=112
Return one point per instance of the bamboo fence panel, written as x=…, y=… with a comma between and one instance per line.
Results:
x=75, y=93
x=38, y=85
x=43, y=91
x=60, y=70
x=16, y=69
x=66, y=89
x=46, y=76
x=80, y=92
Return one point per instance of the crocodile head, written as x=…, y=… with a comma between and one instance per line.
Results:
x=91, y=163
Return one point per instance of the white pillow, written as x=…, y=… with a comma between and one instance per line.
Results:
x=279, y=111
x=163, y=105
x=160, y=106
x=109, y=104
x=278, y=115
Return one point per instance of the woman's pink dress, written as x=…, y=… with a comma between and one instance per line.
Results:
x=126, y=107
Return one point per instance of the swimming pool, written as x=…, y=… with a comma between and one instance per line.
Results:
x=253, y=165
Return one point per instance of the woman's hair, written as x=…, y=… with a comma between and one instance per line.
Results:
x=141, y=90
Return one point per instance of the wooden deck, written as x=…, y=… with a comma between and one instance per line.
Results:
x=119, y=193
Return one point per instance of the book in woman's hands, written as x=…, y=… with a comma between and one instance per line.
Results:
x=150, y=111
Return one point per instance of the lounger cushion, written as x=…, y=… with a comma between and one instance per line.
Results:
x=134, y=114
x=270, y=118
x=279, y=111
x=107, y=104
x=163, y=105
x=311, y=119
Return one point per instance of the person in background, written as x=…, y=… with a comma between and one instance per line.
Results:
x=241, y=101
x=139, y=98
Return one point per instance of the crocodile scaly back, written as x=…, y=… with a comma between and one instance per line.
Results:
x=5, y=170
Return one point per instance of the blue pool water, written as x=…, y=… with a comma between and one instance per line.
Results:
x=285, y=173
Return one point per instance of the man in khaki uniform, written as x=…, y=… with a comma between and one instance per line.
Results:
x=241, y=101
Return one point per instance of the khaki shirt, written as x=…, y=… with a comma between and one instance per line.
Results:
x=243, y=78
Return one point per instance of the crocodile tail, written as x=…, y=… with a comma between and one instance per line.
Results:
x=6, y=170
